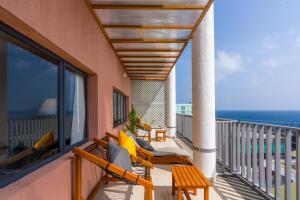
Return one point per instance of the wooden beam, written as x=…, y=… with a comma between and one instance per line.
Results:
x=148, y=69
x=128, y=26
x=197, y=24
x=152, y=75
x=148, y=50
x=200, y=19
x=129, y=61
x=102, y=29
x=142, y=65
x=148, y=7
x=148, y=72
x=148, y=40
x=145, y=56
x=147, y=78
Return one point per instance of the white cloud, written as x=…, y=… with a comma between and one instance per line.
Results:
x=227, y=64
x=270, y=63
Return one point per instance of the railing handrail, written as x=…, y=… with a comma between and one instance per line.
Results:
x=297, y=129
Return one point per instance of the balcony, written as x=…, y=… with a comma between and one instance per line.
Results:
x=226, y=185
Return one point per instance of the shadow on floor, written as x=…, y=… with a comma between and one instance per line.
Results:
x=115, y=191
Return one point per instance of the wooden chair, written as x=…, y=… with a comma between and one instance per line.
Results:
x=97, y=154
x=147, y=128
x=162, y=160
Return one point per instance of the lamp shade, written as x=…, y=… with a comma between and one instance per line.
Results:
x=48, y=107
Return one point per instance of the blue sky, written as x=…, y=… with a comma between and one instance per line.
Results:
x=257, y=56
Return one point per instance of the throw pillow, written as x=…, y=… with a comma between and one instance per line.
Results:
x=144, y=144
x=119, y=156
x=128, y=143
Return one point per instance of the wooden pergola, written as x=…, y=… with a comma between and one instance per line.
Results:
x=148, y=36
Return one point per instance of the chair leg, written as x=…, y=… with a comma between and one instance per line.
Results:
x=148, y=194
x=77, y=177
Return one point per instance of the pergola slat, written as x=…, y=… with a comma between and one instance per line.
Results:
x=147, y=68
x=148, y=7
x=138, y=56
x=127, y=26
x=148, y=40
x=149, y=50
x=129, y=61
x=128, y=45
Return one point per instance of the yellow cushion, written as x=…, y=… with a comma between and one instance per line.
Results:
x=127, y=143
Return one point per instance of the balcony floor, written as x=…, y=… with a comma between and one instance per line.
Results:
x=224, y=188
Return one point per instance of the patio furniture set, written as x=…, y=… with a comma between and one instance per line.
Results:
x=129, y=159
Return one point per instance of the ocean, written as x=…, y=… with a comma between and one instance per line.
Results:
x=285, y=118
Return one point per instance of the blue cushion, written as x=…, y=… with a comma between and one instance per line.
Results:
x=119, y=156
x=130, y=134
x=144, y=144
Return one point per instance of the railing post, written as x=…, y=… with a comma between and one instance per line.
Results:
x=220, y=140
x=224, y=146
x=230, y=146
x=269, y=161
x=254, y=155
x=288, y=166
x=217, y=139
x=233, y=146
x=238, y=148
x=248, y=151
x=226, y=143
x=261, y=159
x=243, y=149
x=277, y=164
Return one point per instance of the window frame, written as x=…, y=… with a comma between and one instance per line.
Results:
x=121, y=100
x=62, y=65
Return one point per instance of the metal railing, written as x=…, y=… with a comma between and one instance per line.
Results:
x=266, y=155
x=28, y=131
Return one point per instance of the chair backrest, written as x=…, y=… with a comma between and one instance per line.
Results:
x=147, y=127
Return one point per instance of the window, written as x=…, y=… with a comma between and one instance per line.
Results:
x=119, y=108
x=42, y=106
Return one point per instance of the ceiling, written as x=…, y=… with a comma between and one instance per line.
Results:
x=149, y=36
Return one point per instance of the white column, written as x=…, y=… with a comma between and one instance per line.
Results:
x=3, y=95
x=171, y=103
x=203, y=91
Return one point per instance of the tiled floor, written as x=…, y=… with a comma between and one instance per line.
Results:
x=224, y=188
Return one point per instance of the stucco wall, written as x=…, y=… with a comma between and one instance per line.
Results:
x=67, y=28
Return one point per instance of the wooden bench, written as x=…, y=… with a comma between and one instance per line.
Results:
x=189, y=178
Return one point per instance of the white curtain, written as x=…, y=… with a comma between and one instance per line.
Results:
x=79, y=112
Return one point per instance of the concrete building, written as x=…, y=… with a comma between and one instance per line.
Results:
x=184, y=109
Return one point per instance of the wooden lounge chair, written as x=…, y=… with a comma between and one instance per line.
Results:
x=146, y=128
x=150, y=156
x=97, y=154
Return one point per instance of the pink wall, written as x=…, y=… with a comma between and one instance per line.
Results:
x=67, y=28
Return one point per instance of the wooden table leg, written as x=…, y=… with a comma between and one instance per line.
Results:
x=206, y=193
x=173, y=186
x=179, y=194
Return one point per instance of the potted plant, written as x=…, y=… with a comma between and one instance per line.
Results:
x=133, y=120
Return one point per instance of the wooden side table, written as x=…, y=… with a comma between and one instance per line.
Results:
x=187, y=178
x=160, y=135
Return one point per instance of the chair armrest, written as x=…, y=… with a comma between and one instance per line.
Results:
x=137, y=159
x=110, y=135
x=145, y=152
